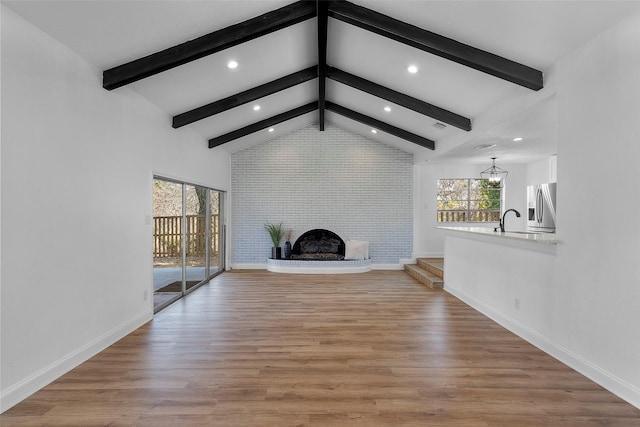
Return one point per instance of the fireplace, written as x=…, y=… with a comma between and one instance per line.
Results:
x=318, y=245
x=319, y=252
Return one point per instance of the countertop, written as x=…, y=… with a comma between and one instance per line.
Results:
x=544, y=238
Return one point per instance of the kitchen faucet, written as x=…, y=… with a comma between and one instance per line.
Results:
x=505, y=214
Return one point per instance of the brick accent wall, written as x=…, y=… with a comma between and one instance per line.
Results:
x=358, y=188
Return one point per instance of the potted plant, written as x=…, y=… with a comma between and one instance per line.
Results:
x=275, y=233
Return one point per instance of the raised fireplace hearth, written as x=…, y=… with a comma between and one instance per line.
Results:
x=319, y=252
x=318, y=245
x=318, y=267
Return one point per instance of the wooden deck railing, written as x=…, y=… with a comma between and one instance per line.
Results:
x=468, y=216
x=167, y=236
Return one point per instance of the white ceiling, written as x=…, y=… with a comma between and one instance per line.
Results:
x=535, y=33
x=526, y=137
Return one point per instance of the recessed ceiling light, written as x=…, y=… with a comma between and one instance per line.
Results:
x=232, y=64
x=387, y=109
x=256, y=107
x=518, y=139
x=271, y=129
x=439, y=125
x=374, y=131
x=412, y=69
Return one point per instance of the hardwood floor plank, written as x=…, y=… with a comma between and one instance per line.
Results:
x=255, y=348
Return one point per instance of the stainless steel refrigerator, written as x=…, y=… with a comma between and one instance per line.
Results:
x=541, y=207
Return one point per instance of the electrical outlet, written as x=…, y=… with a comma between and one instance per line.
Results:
x=145, y=295
x=516, y=303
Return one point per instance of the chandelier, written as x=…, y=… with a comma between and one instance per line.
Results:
x=494, y=174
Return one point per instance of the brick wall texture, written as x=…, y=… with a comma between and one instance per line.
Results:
x=337, y=180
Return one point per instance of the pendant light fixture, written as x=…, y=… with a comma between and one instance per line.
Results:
x=494, y=174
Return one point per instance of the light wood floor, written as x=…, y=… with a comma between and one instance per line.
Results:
x=255, y=348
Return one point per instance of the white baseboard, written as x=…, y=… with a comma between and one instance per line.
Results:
x=602, y=377
x=248, y=267
x=387, y=266
x=18, y=392
x=399, y=266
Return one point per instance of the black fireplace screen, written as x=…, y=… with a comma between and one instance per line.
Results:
x=318, y=244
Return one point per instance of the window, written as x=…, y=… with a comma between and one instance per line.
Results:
x=468, y=200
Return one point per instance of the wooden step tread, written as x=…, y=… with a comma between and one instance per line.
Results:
x=432, y=265
x=424, y=276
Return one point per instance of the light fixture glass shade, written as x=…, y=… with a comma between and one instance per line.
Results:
x=494, y=174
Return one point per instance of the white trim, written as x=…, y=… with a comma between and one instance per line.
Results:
x=248, y=267
x=318, y=267
x=615, y=385
x=398, y=266
x=319, y=270
x=389, y=266
x=20, y=391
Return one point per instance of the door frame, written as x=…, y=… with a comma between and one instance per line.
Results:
x=222, y=237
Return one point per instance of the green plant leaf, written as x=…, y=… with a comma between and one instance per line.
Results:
x=275, y=233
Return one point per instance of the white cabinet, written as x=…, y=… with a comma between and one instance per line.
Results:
x=553, y=169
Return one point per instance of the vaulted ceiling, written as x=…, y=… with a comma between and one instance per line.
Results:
x=346, y=63
x=341, y=10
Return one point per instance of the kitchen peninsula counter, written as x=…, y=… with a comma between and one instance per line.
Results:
x=506, y=276
x=543, y=238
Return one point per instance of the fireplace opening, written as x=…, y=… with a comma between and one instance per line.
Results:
x=318, y=245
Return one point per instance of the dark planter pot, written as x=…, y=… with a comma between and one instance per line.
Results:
x=287, y=249
x=276, y=253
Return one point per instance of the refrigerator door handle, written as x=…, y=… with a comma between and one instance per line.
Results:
x=539, y=206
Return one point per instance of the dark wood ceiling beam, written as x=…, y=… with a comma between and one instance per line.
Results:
x=323, y=21
x=379, y=125
x=245, y=97
x=263, y=124
x=399, y=98
x=208, y=44
x=436, y=44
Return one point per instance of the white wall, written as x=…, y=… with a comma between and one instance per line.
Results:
x=429, y=241
x=587, y=311
x=76, y=176
x=358, y=188
x=598, y=285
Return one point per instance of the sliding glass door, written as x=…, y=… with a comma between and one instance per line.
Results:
x=187, y=238
x=196, y=235
x=167, y=242
x=216, y=252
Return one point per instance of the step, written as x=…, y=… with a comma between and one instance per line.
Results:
x=432, y=265
x=431, y=280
